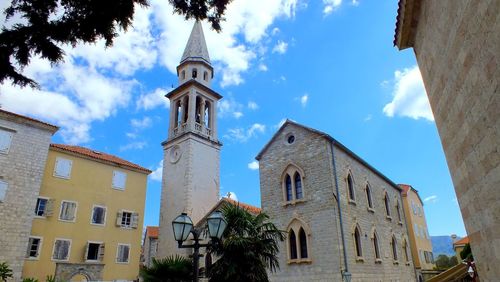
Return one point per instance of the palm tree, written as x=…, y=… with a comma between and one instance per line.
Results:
x=169, y=269
x=249, y=246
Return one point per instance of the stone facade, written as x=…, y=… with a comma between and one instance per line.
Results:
x=22, y=169
x=456, y=44
x=310, y=153
x=89, y=271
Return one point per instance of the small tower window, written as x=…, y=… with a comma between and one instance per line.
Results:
x=186, y=109
x=183, y=75
x=198, y=112
x=208, y=115
x=205, y=76
x=195, y=73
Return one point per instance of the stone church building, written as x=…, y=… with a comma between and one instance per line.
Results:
x=341, y=214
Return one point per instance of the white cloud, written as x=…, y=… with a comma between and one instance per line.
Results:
x=229, y=107
x=409, y=96
x=330, y=6
x=280, y=47
x=263, y=67
x=275, y=31
x=367, y=118
x=157, y=172
x=304, y=99
x=431, y=199
x=153, y=99
x=253, y=165
x=242, y=135
x=139, y=145
x=139, y=124
x=230, y=54
x=355, y=3
x=252, y=105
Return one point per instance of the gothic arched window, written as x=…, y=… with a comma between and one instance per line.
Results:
x=298, y=242
x=405, y=250
x=398, y=210
x=293, y=184
x=288, y=187
x=376, y=249
x=303, y=243
x=394, y=248
x=350, y=188
x=369, y=197
x=298, y=186
x=357, y=242
x=387, y=205
x=292, y=242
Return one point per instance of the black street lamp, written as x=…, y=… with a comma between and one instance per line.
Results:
x=183, y=226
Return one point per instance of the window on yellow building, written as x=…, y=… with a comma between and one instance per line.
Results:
x=44, y=207
x=62, y=168
x=61, y=249
x=127, y=219
x=94, y=251
x=122, y=253
x=33, y=251
x=68, y=211
x=99, y=215
x=119, y=180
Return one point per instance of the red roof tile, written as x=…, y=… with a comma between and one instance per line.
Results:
x=152, y=231
x=99, y=156
x=250, y=208
x=462, y=241
x=53, y=127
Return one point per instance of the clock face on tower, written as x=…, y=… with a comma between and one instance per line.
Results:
x=175, y=154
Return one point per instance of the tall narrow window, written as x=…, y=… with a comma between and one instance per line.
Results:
x=397, y=209
x=387, y=205
x=298, y=186
x=369, y=197
x=195, y=73
x=405, y=250
x=350, y=187
x=303, y=243
x=357, y=241
x=394, y=248
x=33, y=247
x=198, y=109
x=208, y=115
x=375, y=246
x=292, y=242
x=186, y=110
x=288, y=187
x=183, y=74
x=178, y=110
x=205, y=76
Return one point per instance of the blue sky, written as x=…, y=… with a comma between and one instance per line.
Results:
x=326, y=64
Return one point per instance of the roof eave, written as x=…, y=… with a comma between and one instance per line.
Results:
x=406, y=22
x=195, y=83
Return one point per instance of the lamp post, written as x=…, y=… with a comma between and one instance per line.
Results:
x=346, y=276
x=183, y=226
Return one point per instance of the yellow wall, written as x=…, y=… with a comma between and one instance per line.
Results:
x=90, y=184
x=417, y=243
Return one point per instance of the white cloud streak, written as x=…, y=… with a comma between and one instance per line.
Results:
x=243, y=135
x=431, y=199
x=157, y=173
x=409, y=96
x=280, y=47
x=253, y=165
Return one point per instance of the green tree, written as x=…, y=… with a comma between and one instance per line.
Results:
x=453, y=261
x=5, y=271
x=442, y=262
x=46, y=29
x=249, y=246
x=169, y=269
x=466, y=253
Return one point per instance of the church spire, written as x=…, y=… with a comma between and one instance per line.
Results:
x=196, y=47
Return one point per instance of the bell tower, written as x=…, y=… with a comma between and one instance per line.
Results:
x=192, y=150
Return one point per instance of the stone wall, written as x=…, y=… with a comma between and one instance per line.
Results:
x=457, y=49
x=312, y=153
x=22, y=168
x=91, y=271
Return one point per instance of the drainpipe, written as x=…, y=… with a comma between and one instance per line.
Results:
x=346, y=270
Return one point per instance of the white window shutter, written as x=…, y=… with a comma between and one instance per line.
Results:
x=85, y=254
x=30, y=242
x=5, y=141
x=134, y=222
x=49, y=207
x=119, y=218
x=63, y=168
x=3, y=190
x=119, y=179
x=100, y=255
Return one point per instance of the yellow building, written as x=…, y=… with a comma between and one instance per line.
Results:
x=88, y=217
x=420, y=240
